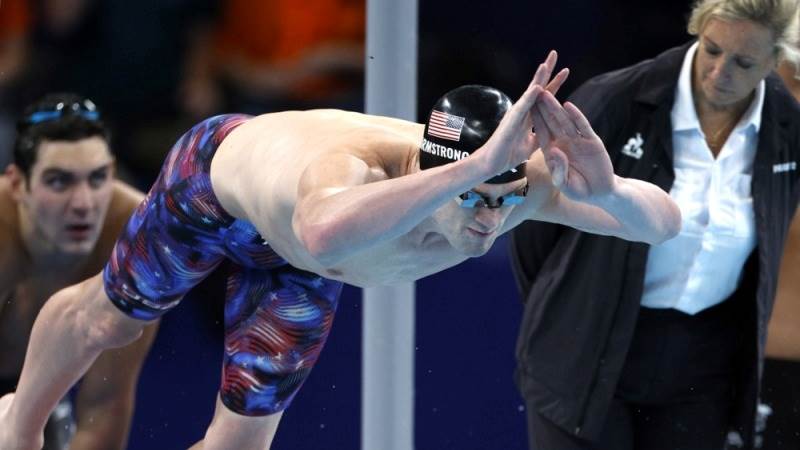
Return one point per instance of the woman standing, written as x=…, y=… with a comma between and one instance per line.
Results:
x=660, y=346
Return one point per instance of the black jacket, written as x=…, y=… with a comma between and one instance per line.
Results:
x=583, y=291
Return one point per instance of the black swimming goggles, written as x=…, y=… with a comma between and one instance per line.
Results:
x=472, y=199
x=85, y=109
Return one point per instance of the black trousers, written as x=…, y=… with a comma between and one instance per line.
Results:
x=780, y=392
x=676, y=388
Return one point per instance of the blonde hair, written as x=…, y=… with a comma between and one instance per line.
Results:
x=779, y=16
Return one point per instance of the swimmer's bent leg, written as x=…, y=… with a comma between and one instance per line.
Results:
x=276, y=323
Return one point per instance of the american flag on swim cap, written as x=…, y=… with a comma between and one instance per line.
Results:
x=445, y=126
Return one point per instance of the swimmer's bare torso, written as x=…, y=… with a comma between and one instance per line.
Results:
x=256, y=177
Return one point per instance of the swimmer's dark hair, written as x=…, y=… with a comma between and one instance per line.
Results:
x=58, y=117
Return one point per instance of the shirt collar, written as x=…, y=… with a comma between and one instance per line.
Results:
x=684, y=116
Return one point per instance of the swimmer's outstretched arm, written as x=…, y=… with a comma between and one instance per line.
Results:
x=575, y=172
x=72, y=329
x=107, y=395
x=339, y=214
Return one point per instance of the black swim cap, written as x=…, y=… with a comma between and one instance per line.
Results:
x=460, y=123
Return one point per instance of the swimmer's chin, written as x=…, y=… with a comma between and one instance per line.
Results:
x=476, y=251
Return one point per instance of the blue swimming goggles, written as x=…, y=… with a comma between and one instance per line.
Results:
x=85, y=109
x=472, y=199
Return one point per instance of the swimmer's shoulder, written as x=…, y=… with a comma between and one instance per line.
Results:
x=124, y=200
x=8, y=207
x=388, y=142
x=382, y=140
x=11, y=250
x=9, y=219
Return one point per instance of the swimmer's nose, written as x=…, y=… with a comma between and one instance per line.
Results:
x=489, y=218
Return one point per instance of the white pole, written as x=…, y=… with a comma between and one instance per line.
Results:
x=387, y=413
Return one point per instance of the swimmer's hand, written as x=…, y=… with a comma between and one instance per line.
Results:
x=514, y=141
x=10, y=439
x=575, y=156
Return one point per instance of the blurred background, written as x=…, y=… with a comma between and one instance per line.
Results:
x=155, y=67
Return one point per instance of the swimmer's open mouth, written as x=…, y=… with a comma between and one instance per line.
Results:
x=81, y=227
x=481, y=233
x=79, y=231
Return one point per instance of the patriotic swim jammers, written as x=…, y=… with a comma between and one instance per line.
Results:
x=277, y=317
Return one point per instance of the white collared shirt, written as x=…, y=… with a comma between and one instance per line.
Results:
x=702, y=265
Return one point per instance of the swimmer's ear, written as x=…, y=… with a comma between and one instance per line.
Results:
x=17, y=180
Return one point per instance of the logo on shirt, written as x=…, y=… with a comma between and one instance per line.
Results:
x=634, y=147
x=784, y=167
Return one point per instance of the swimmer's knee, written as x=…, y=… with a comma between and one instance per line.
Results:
x=104, y=324
x=230, y=429
x=114, y=330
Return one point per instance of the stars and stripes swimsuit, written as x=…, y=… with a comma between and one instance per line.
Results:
x=277, y=317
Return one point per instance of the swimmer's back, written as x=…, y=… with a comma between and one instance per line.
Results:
x=11, y=248
x=273, y=150
x=289, y=141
